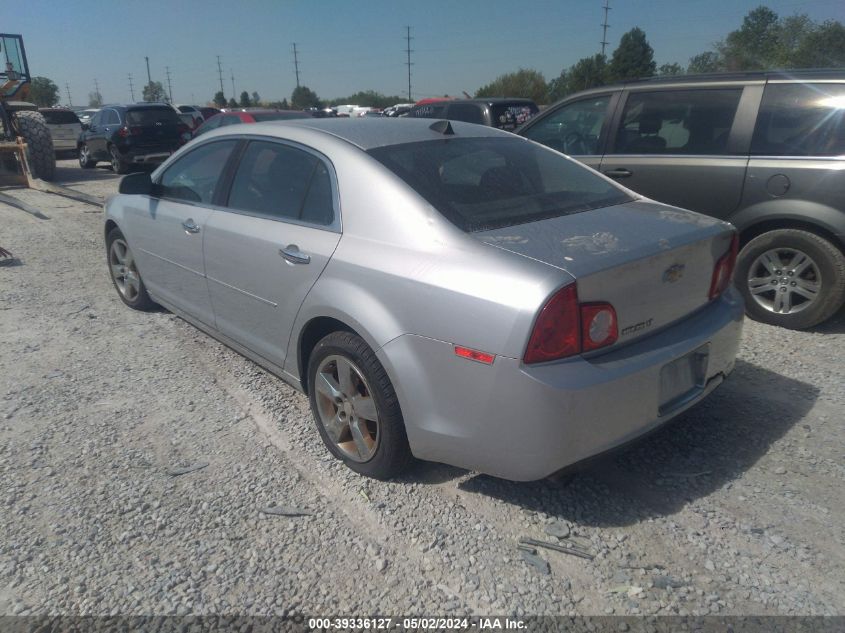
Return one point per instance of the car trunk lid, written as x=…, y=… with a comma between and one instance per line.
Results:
x=652, y=262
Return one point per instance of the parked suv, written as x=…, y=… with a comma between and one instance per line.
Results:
x=64, y=129
x=505, y=114
x=127, y=135
x=765, y=151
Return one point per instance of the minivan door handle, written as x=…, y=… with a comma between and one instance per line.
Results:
x=618, y=173
x=190, y=226
x=293, y=255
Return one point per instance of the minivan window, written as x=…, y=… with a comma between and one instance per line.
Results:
x=801, y=120
x=485, y=183
x=574, y=128
x=509, y=116
x=272, y=180
x=194, y=176
x=59, y=117
x=152, y=116
x=677, y=122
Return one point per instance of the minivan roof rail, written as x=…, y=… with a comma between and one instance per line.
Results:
x=748, y=74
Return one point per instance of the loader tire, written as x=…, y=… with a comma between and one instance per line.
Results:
x=42, y=157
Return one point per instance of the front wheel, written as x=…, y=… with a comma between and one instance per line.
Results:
x=355, y=407
x=85, y=159
x=791, y=278
x=42, y=157
x=124, y=273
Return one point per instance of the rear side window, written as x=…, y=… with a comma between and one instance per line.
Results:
x=510, y=116
x=466, y=112
x=485, y=183
x=428, y=111
x=152, y=116
x=275, y=181
x=677, y=122
x=110, y=117
x=801, y=120
x=194, y=176
x=59, y=117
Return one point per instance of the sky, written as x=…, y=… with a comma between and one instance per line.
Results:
x=352, y=45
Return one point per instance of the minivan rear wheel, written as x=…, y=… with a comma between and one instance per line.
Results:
x=791, y=278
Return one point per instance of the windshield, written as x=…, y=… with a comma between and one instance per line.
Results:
x=151, y=116
x=485, y=183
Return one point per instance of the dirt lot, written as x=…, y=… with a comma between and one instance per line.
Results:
x=737, y=508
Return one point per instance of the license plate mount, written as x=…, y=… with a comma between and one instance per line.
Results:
x=683, y=379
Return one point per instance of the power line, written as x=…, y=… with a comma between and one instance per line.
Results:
x=220, y=73
x=408, y=51
x=131, y=88
x=604, y=26
x=169, y=86
x=69, y=100
x=296, y=64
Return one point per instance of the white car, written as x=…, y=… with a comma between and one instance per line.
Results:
x=65, y=128
x=194, y=111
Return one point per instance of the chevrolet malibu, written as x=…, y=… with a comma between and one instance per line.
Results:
x=439, y=290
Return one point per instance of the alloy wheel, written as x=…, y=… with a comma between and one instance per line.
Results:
x=123, y=270
x=784, y=280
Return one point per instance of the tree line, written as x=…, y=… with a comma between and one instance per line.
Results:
x=764, y=40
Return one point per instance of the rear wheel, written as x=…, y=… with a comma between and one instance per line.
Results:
x=117, y=164
x=791, y=278
x=124, y=273
x=356, y=408
x=42, y=157
x=85, y=159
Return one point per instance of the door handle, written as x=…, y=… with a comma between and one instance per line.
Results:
x=190, y=226
x=618, y=173
x=293, y=255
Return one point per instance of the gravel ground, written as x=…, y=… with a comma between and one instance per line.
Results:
x=737, y=508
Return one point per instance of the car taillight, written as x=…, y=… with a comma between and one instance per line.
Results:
x=598, y=326
x=557, y=331
x=565, y=328
x=724, y=270
x=124, y=132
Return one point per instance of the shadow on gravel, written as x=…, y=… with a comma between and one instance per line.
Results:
x=701, y=451
x=834, y=325
x=70, y=173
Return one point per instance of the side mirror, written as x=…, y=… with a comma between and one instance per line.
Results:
x=140, y=184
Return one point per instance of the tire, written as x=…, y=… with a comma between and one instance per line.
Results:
x=117, y=164
x=42, y=157
x=86, y=161
x=791, y=278
x=381, y=449
x=124, y=275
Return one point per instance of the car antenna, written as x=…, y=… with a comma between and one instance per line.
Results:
x=442, y=127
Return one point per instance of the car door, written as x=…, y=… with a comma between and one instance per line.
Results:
x=166, y=230
x=267, y=249
x=578, y=128
x=94, y=135
x=109, y=125
x=681, y=146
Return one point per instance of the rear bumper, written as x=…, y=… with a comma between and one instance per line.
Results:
x=63, y=144
x=153, y=154
x=526, y=422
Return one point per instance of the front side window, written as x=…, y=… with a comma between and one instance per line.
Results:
x=194, y=176
x=801, y=120
x=282, y=182
x=486, y=183
x=678, y=122
x=574, y=128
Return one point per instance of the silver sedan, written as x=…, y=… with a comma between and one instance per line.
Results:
x=440, y=290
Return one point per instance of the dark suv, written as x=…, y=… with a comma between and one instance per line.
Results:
x=127, y=135
x=505, y=114
x=765, y=151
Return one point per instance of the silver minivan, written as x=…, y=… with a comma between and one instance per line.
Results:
x=765, y=151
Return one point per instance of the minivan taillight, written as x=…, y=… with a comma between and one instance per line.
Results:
x=123, y=132
x=566, y=328
x=724, y=270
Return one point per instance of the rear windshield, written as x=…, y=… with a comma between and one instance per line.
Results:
x=509, y=116
x=56, y=117
x=278, y=116
x=151, y=116
x=485, y=183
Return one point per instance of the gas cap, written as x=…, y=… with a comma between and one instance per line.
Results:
x=777, y=185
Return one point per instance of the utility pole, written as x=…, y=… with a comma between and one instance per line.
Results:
x=296, y=64
x=220, y=74
x=131, y=88
x=149, y=78
x=69, y=100
x=234, y=94
x=408, y=50
x=169, y=86
x=604, y=26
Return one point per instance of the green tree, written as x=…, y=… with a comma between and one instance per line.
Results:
x=219, y=99
x=232, y=103
x=823, y=47
x=256, y=98
x=154, y=91
x=633, y=58
x=368, y=98
x=587, y=72
x=708, y=62
x=303, y=98
x=525, y=83
x=558, y=87
x=245, y=102
x=95, y=99
x=670, y=69
x=43, y=92
x=756, y=44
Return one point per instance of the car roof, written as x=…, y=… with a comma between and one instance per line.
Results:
x=493, y=100
x=370, y=133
